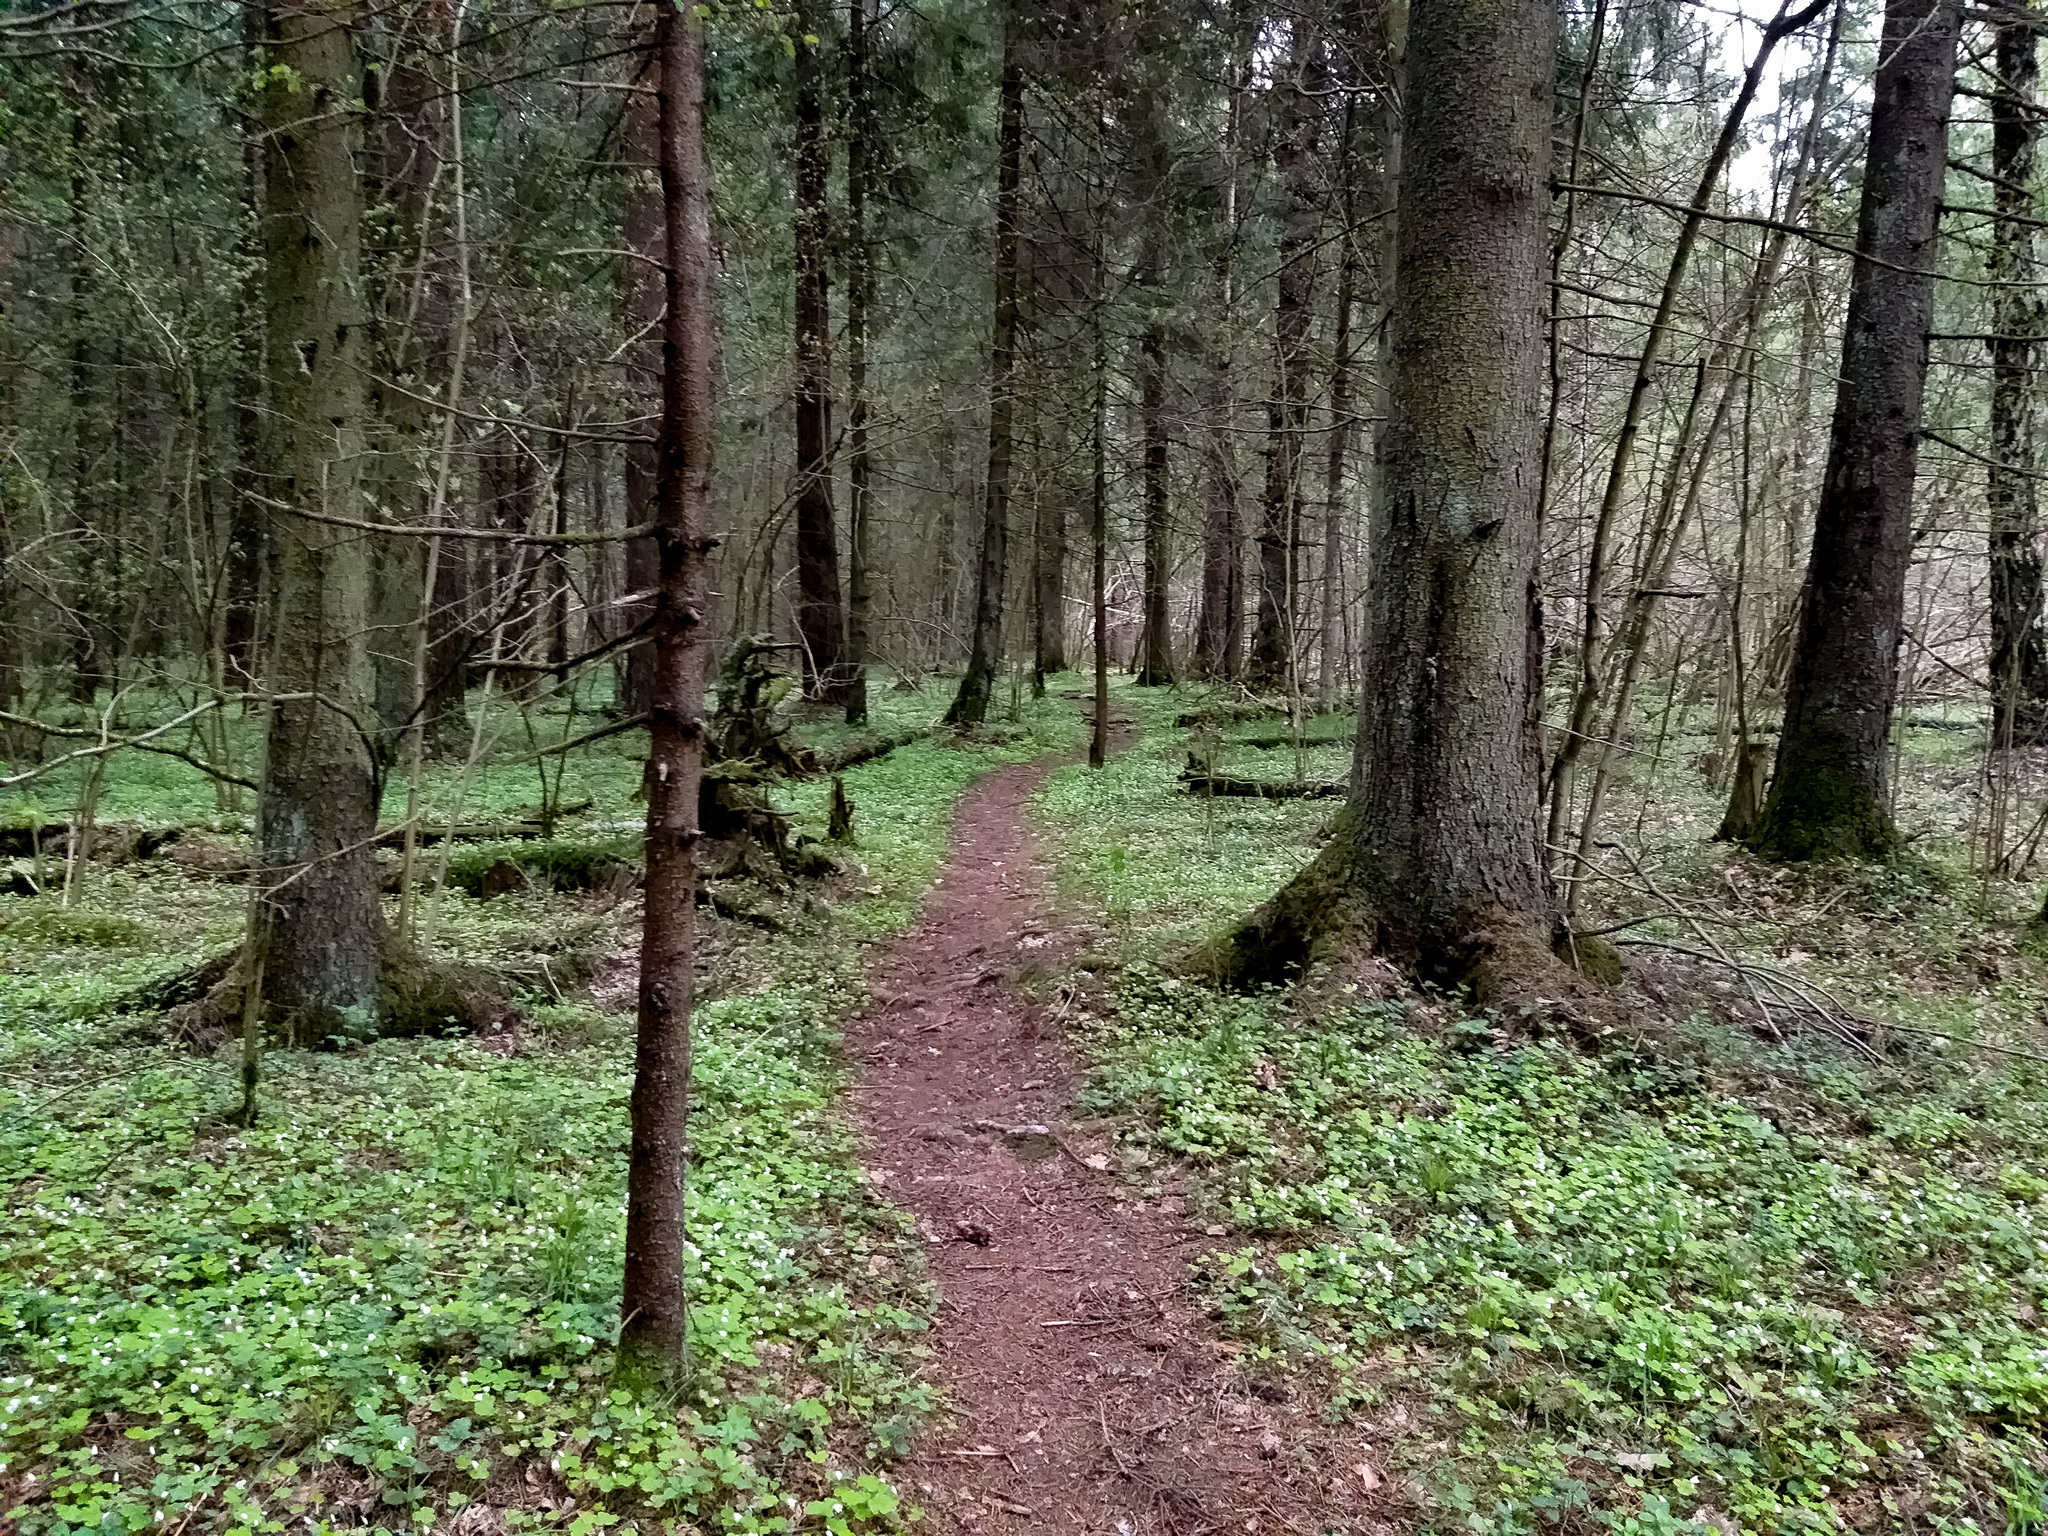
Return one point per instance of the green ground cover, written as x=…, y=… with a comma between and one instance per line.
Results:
x=393, y=1298
x=1693, y=1281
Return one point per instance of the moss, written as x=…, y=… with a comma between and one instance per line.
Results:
x=1823, y=812
x=1314, y=916
x=1592, y=957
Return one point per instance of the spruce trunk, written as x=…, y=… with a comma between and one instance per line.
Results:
x=320, y=925
x=1435, y=861
x=653, y=1334
x=1828, y=795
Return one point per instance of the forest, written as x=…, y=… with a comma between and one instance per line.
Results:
x=1119, y=767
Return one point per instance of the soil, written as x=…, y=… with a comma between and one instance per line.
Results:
x=1086, y=1390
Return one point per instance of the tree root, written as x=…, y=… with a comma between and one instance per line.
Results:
x=1499, y=958
x=416, y=997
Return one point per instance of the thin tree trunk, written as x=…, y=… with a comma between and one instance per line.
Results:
x=859, y=288
x=1219, y=624
x=1156, y=668
x=820, y=621
x=1340, y=437
x=1098, y=495
x=2019, y=659
x=1436, y=860
x=323, y=929
x=653, y=1331
x=1595, y=623
x=970, y=704
x=1828, y=794
x=1274, y=636
x=645, y=287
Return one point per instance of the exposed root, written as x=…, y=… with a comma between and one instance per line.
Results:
x=1497, y=957
x=416, y=997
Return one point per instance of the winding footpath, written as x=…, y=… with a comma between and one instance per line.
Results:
x=1085, y=1391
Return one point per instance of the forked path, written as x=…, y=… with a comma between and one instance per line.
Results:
x=1085, y=1390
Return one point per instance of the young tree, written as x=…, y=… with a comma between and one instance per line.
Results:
x=970, y=704
x=653, y=1332
x=1828, y=793
x=1435, y=860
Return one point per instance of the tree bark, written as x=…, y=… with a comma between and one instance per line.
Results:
x=321, y=925
x=860, y=17
x=970, y=704
x=653, y=1331
x=1155, y=669
x=1435, y=860
x=2019, y=659
x=1275, y=635
x=1828, y=793
x=820, y=620
x=645, y=289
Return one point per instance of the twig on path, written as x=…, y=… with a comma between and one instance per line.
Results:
x=1108, y=1444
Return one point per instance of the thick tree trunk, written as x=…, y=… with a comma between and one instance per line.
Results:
x=1435, y=860
x=820, y=621
x=860, y=17
x=2019, y=659
x=653, y=1332
x=1155, y=669
x=970, y=704
x=1275, y=636
x=320, y=929
x=1828, y=793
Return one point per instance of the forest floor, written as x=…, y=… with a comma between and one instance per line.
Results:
x=1748, y=1265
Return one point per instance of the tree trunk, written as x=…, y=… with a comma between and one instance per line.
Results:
x=2019, y=660
x=1155, y=670
x=1275, y=635
x=820, y=621
x=653, y=1333
x=1049, y=564
x=1219, y=625
x=321, y=928
x=1340, y=438
x=1828, y=793
x=970, y=705
x=1435, y=860
x=645, y=289
x=859, y=289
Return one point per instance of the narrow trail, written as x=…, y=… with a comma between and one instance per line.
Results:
x=1087, y=1392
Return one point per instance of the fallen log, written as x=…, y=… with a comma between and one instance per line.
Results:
x=1198, y=778
x=865, y=749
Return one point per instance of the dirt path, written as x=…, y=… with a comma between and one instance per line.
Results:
x=1088, y=1394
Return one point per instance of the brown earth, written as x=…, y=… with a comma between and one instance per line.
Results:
x=1086, y=1390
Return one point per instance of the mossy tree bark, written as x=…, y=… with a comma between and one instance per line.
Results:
x=970, y=704
x=1435, y=859
x=653, y=1338
x=1828, y=793
x=322, y=926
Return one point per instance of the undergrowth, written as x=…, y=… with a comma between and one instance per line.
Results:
x=1697, y=1280
x=394, y=1299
